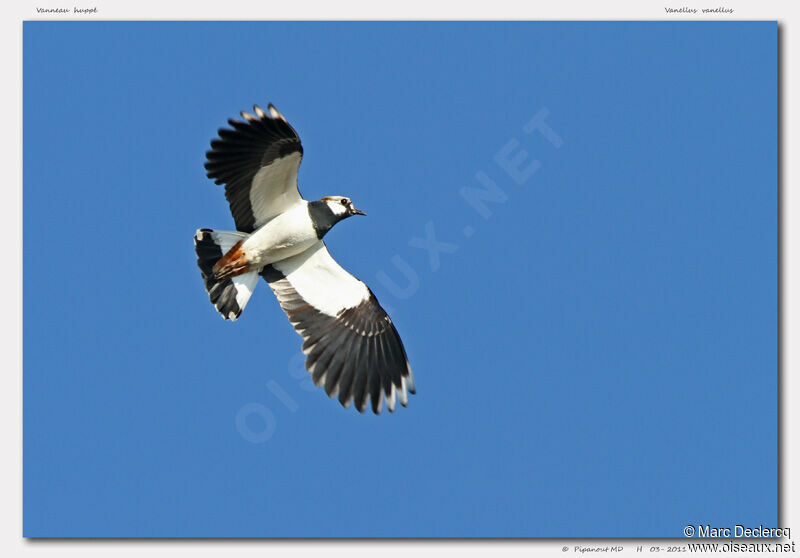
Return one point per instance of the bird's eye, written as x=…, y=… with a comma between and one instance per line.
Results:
x=345, y=202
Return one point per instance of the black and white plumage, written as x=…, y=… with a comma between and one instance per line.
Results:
x=353, y=349
x=257, y=161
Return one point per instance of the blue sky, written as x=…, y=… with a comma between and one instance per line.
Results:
x=595, y=350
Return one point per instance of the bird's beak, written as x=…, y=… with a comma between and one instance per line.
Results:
x=358, y=212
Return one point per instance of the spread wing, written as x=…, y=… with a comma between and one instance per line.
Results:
x=352, y=347
x=257, y=161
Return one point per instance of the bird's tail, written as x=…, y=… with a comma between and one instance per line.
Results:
x=229, y=294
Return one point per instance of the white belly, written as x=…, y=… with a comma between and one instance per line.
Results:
x=286, y=235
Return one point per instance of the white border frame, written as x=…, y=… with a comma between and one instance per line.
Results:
x=11, y=541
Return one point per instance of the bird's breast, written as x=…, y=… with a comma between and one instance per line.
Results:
x=284, y=236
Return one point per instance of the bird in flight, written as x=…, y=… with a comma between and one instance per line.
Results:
x=351, y=345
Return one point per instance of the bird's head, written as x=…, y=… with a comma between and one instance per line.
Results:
x=341, y=207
